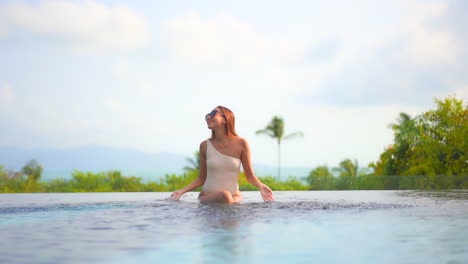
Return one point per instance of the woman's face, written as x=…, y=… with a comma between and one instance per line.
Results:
x=216, y=120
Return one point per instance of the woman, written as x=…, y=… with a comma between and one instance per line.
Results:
x=220, y=159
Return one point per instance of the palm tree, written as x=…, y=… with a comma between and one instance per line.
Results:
x=194, y=162
x=348, y=173
x=402, y=120
x=33, y=169
x=275, y=129
x=350, y=168
x=405, y=128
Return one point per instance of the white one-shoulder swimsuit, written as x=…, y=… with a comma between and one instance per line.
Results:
x=222, y=171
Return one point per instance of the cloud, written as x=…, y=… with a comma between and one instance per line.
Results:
x=383, y=77
x=422, y=59
x=457, y=19
x=84, y=26
x=115, y=105
x=356, y=67
x=325, y=49
x=3, y=29
x=226, y=39
x=429, y=41
x=6, y=94
x=462, y=93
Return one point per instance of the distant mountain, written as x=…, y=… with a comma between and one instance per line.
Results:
x=91, y=157
x=59, y=162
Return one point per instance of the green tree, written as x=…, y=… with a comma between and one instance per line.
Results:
x=275, y=129
x=347, y=168
x=33, y=169
x=320, y=178
x=443, y=135
x=396, y=155
x=432, y=147
x=194, y=162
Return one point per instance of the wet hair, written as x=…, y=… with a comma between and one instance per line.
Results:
x=230, y=122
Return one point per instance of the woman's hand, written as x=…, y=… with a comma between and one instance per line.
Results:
x=176, y=195
x=267, y=193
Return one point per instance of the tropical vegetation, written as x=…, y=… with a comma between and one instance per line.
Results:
x=430, y=151
x=114, y=181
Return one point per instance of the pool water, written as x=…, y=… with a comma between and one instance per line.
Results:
x=299, y=227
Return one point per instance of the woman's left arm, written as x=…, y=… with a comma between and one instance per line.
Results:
x=267, y=193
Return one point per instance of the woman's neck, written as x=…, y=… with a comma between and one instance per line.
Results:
x=220, y=135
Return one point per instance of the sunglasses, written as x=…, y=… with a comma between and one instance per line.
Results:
x=212, y=114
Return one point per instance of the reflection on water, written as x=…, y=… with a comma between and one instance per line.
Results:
x=224, y=238
x=446, y=194
x=327, y=227
x=222, y=244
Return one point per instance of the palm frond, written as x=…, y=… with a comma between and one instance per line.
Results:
x=402, y=119
x=294, y=135
x=194, y=162
x=266, y=131
x=188, y=168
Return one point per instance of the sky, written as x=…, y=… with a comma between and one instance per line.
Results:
x=142, y=74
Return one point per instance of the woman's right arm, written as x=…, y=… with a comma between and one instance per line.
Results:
x=201, y=175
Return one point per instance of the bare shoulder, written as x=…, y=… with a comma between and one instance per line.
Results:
x=203, y=145
x=243, y=142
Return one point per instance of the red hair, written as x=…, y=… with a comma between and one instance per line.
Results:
x=230, y=122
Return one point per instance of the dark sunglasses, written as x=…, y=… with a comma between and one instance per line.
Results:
x=212, y=114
